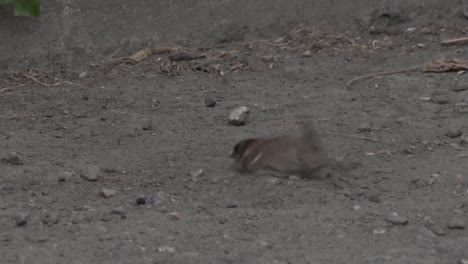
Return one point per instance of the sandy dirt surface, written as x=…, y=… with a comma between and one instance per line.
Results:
x=142, y=130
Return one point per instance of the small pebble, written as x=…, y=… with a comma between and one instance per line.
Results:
x=459, y=179
x=294, y=178
x=65, y=176
x=263, y=243
x=307, y=53
x=166, y=249
x=231, y=204
x=273, y=180
x=173, y=216
x=196, y=173
x=463, y=141
x=379, y=231
x=436, y=229
x=408, y=150
x=462, y=107
x=119, y=210
x=441, y=99
x=396, y=219
x=456, y=223
x=426, y=31
x=453, y=133
x=107, y=193
x=402, y=119
x=147, y=124
x=162, y=209
x=83, y=74
x=365, y=127
x=460, y=88
x=14, y=158
x=374, y=198
x=5, y=237
x=50, y=219
x=456, y=146
x=43, y=238
x=21, y=219
x=238, y=117
x=90, y=173
x=461, y=204
x=145, y=200
x=106, y=218
x=210, y=102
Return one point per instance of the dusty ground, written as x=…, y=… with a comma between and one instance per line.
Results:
x=146, y=128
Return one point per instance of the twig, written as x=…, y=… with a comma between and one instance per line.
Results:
x=357, y=137
x=412, y=68
x=11, y=87
x=279, y=44
x=233, y=68
x=42, y=83
x=144, y=54
x=455, y=41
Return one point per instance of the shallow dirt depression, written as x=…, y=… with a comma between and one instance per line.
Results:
x=115, y=141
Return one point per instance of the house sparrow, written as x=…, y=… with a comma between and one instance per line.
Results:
x=298, y=153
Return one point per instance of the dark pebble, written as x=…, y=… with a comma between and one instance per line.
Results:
x=456, y=223
x=141, y=201
x=374, y=198
x=21, y=219
x=460, y=88
x=210, y=102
